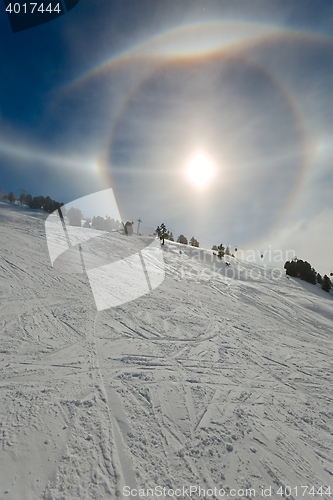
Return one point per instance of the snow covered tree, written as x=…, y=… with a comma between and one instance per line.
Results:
x=107, y=224
x=74, y=216
x=214, y=247
x=171, y=237
x=87, y=222
x=98, y=223
x=11, y=197
x=162, y=232
x=181, y=239
x=194, y=242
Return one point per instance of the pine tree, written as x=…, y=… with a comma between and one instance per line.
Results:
x=301, y=269
x=48, y=205
x=28, y=200
x=327, y=285
x=37, y=202
x=163, y=230
x=220, y=251
x=22, y=198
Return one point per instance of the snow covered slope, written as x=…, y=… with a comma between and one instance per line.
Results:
x=212, y=381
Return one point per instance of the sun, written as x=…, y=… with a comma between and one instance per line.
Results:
x=200, y=170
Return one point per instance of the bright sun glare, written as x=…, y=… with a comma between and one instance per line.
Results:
x=200, y=170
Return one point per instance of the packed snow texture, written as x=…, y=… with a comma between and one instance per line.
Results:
x=209, y=380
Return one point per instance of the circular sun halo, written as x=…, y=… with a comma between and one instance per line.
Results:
x=200, y=170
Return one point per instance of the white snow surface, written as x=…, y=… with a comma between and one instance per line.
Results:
x=210, y=381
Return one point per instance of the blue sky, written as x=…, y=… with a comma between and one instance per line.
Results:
x=122, y=94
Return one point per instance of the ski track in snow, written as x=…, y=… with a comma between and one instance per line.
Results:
x=214, y=382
